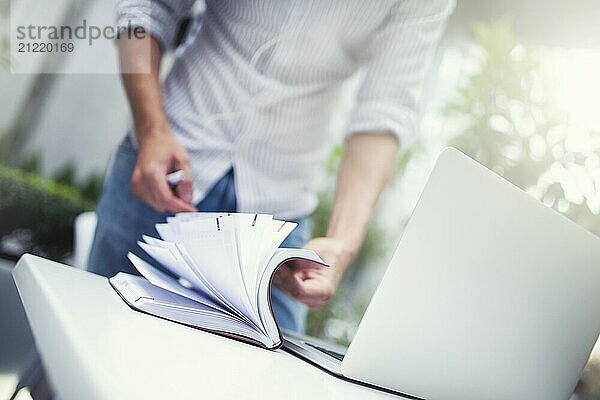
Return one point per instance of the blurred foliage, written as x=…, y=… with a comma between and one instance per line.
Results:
x=33, y=164
x=337, y=320
x=65, y=174
x=89, y=188
x=511, y=124
x=37, y=215
x=4, y=53
x=503, y=104
x=4, y=38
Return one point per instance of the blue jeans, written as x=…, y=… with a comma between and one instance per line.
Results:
x=122, y=219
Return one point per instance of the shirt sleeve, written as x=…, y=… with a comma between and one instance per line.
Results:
x=396, y=59
x=160, y=18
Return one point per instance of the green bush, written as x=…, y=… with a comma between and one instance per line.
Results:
x=89, y=188
x=38, y=214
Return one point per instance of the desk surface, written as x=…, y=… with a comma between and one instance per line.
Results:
x=95, y=347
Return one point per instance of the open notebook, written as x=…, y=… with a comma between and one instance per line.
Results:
x=222, y=267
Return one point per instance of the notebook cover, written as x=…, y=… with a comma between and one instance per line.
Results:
x=240, y=338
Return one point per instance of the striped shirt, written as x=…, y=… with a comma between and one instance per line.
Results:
x=254, y=86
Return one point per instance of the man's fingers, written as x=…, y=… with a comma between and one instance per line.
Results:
x=175, y=204
x=141, y=188
x=289, y=283
x=298, y=264
x=165, y=200
x=312, y=290
x=182, y=161
x=292, y=285
x=283, y=279
x=303, y=286
x=184, y=190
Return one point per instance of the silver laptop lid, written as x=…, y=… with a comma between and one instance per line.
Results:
x=490, y=296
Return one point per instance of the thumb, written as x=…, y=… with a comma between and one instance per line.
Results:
x=185, y=190
x=185, y=187
x=301, y=264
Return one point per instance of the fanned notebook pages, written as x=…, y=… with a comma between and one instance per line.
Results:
x=222, y=266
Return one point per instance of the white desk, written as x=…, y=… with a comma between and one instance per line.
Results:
x=95, y=347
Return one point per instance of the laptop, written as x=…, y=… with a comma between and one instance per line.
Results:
x=490, y=295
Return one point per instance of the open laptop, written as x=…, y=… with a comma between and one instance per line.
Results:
x=490, y=295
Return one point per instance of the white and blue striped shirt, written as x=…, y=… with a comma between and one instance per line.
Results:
x=255, y=84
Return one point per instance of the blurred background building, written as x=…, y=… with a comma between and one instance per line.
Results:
x=515, y=86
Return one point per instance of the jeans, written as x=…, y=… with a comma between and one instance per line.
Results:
x=122, y=219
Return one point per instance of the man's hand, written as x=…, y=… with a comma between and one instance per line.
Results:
x=158, y=156
x=315, y=286
x=368, y=163
x=159, y=153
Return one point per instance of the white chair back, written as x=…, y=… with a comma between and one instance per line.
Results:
x=84, y=229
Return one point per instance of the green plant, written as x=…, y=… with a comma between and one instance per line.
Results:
x=31, y=164
x=510, y=123
x=4, y=41
x=4, y=53
x=65, y=174
x=37, y=215
x=90, y=188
